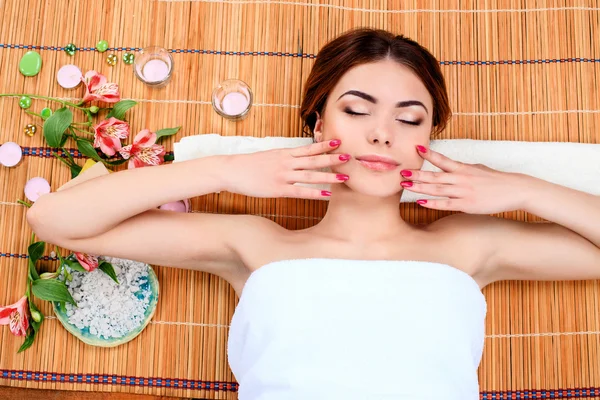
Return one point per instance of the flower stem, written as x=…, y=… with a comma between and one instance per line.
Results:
x=82, y=131
x=81, y=123
x=24, y=203
x=32, y=113
x=35, y=96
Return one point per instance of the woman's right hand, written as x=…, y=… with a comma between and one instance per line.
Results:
x=273, y=173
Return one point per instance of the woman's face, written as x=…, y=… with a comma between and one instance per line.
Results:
x=379, y=109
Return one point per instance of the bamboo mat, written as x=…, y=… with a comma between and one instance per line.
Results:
x=516, y=70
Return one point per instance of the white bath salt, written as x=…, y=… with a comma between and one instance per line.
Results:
x=105, y=308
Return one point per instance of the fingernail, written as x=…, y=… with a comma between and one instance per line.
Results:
x=406, y=184
x=405, y=173
x=335, y=143
x=344, y=157
x=325, y=193
x=421, y=201
x=422, y=149
x=342, y=177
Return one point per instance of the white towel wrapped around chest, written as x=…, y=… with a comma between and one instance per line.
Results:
x=574, y=165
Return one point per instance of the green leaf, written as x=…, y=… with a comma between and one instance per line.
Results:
x=56, y=125
x=108, y=269
x=75, y=170
x=61, y=306
x=63, y=140
x=28, y=341
x=74, y=265
x=167, y=132
x=36, y=250
x=87, y=149
x=51, y=290
x=119, y=109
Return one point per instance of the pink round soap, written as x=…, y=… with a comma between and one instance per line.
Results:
x=36, y=187
x=177, y=206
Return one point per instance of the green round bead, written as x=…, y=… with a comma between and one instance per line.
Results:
x=111, y=60
x=46, y=113
x=102, y=46
x=25, y=102
x=128, y=58
x=70, y=49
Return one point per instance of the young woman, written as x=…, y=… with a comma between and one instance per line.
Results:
x=362, y=304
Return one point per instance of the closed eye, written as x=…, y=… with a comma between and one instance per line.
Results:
x=350, y=112
x=414, y=123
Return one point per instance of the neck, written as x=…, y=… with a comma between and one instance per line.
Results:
x=356, y=217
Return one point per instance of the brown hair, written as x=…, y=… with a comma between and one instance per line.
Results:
x=361, y=46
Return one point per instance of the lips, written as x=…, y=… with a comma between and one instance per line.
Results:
x=377, y=163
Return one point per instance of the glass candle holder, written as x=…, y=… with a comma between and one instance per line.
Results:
x=153, y=65
x=232, y=99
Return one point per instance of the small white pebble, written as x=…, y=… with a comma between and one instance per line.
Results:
x=52, y=254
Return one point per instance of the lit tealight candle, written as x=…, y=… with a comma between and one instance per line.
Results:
x=36, y=187
x=10, y=154
x=155, y=70
x=177, y=206
x=69, y=76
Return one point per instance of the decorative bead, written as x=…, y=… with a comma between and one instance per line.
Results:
x=111, y=60
x=30, y=129
x=70, y=49
x=46, y=113
x=102, y=46
x=25, y=102
x=30, y=63
x=128, y=58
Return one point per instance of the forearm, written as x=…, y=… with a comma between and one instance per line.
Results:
x=575, y=210
x=96, y=206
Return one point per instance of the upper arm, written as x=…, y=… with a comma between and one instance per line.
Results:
x=206, y=242
x=539, y=251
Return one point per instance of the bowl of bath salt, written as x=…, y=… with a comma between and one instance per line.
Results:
x=109, y=314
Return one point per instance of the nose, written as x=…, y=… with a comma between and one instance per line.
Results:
x=381, y=135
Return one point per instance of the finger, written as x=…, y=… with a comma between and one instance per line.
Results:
x=430, y=176
x=442, y=204
x=434, y=189
x=319, y=161
x=301, y=192
x=315, y=148
x=315, y=177
x=438, y=159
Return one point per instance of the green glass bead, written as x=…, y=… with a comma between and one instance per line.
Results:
x=46, y=113
x=30, y=130
x=70, y=49
x=25, y=102
x=102, y=46
x=128, y=58
x=111, y=60
x=30, y=63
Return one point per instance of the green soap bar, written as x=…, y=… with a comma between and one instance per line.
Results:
x=31, y=63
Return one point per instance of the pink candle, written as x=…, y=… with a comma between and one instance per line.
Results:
x=10, y=154
x=234, y=103
x=155, y=70
x=177, y=206
x=36, y=187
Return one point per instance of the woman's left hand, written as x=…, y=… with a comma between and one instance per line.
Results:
x=470, y=188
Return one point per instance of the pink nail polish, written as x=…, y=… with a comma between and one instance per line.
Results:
x=422, y=149
x=335, y=143
x=406, y=184
x=344, y=157
x=342, y=177
x=325, y=193
x=405, y=173
x=421, y=201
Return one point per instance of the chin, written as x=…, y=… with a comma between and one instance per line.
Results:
x=376, y=187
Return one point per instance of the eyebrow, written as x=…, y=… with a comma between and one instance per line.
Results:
x=373, y=100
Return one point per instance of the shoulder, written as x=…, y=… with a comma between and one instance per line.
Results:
x=471, y=240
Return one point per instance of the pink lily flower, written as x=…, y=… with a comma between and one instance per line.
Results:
x=88, y=262
x=98, y=88
x=16, y=316
x=108, y=135
x=144, y=151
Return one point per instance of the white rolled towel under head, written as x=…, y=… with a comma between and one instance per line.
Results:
x=574, y=165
